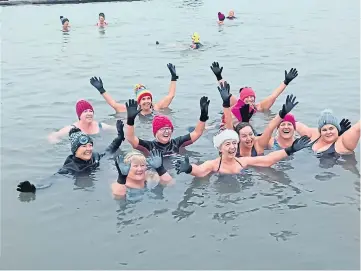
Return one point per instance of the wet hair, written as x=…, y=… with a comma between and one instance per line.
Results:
x=102, y=14
x=74, y=130
x=241, y=125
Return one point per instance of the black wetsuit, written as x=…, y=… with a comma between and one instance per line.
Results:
x=171, y=147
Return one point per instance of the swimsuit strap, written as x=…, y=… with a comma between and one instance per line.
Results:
x=219, y=166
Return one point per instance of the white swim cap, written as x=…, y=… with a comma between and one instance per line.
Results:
x=223, y=136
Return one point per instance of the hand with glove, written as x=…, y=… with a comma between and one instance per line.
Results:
x=288, y=106
x=155, y=160
x=120, y=129
x=132, y=111
x=204, y=103
x=298, y=144
x=98, y=84
x=26, y=187
x=122, y=168
x=217, y=70
x=345, y=124
x=245, y=113
x=224, y=90
x=289, y=76
x=183, y=166
x=173, y=72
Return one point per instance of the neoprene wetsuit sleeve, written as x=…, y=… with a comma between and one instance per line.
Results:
x=114, y=146
x=182, y=141
x=145, y=145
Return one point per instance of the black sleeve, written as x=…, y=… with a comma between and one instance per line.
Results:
x=114, y=146
x=52, y=179
x=145, y=145
x=182, y=141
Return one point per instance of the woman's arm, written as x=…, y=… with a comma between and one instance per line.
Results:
x=304, y=130
x=197, y=171
x=118, y=190
x=166, y=101
x=56, y=136
x=351, y=137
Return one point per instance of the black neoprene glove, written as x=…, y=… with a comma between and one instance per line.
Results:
x=345, y=124
x=173, y=72
x=217, y=70
x=288, y=106
x=298, y=144
x=289, y=76
x=224, y=90
x=122, y=168
x=98, y=84
x=183, y=166
x=204, y=103
x=26, y=187
x=132, y=111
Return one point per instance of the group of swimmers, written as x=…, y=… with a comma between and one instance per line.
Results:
x=238, y=145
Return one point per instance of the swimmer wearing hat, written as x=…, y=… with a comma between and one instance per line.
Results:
x=65, y=24
x=143, y=95
x=226, y=142
x=221, y=18
x=133, y=173
x=196, y=43
x=102, y=22
x=82, y=160
x=163, y=130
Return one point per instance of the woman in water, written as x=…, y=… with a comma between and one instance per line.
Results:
x=102, y=21
x=83, y=159
x=144, y=96
x=163, y=130
x=221, y=18
x=231, y=15
x=133, y=173
x=86, y=122
x=65, y=24
x=331, y=137
x=226, y=142
x=250, y=144
x=196, y=43
x=248, y=96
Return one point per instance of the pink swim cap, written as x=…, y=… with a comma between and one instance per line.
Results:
x=221, y=16
x=290, y=118
x=237, y=106
x=246, y=92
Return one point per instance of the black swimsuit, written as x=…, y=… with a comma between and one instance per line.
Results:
x=220, y=162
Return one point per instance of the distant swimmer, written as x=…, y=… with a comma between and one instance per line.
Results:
x=221, y=18
x=102, y=21
x=65, y=23
x=196, y=44
x=231, y=15
x=157, y=42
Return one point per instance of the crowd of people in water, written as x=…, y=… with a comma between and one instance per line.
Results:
x=237, y=145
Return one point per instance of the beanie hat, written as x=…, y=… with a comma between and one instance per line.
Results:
x=78, y=138
x=290, y=118
x=223, y=136
x=63, y=20
x=327, y=117
x=160, y=122
x=246, y=92
x=141, y=91
x=81, y=106
x=221, y=16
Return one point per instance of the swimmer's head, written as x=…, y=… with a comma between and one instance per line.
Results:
x=328, y=126
x=162, y=128
x=221, y=16
x=101, y=17
x=157, y=42
x=81, y=144
x=248, y=96
x=287, y=127
x=64, y=21
x=195, y=37
x=226, y=142
x=85, y=111
x=138, y=165
x=246, y=134
x=144, y=97
x=231, y=13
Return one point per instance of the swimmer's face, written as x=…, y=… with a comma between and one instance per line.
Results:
x=246, y=137
x=87, y=116
x=101, y=19
x=329, y=133
x=146, y=103
x=84, y=152
x=164, y=135
x=250, y=100
x=137, y=170
x=229, y=148
x=66, y=24
x=231, y=13
x=286, y=130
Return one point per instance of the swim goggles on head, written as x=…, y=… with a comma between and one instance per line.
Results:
x=84, y=140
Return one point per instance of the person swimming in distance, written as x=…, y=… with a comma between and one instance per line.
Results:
x=86, y=122
x=221, y=18
x=248, y=96
x=83, y=159
x=196, y=43
x=143, y=95
x=163, y=130
x=133, y=173
x=101, y=22
x=231, y=15
x=249, y=143
x=331, y=137
x=65, y=24
x=226, y=142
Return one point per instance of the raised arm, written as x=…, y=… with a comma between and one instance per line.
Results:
x=263, y=140
x=132, y=112
x=351, y=137
x=273, y=157
x=303, y=130
x=166, y=101
x=98, y=84
x=198, y=131
x=267, y=103
x=114, y=146
x=55, y=137
x=197, y=171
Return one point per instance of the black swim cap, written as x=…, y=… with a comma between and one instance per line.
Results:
x=157, y=42
x=102, y=14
